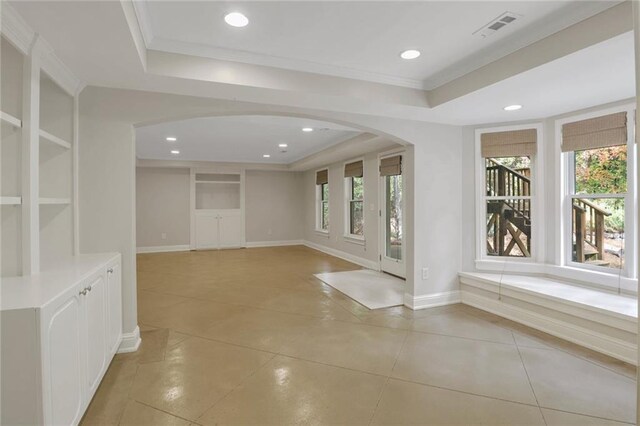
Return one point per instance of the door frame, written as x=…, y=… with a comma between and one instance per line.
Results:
x=381, y=223
x=231, y=170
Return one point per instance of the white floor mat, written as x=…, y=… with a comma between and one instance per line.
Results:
x=373, y=289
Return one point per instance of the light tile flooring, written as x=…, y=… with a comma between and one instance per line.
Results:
x=251, y=337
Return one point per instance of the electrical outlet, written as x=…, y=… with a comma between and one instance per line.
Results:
x=163, y=235
x=425, y=273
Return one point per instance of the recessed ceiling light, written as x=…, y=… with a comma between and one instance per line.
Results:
x=307, y=129
x=175, y=152
x=282, y=145
x=266, y=156
x=236, y=19
x=513, y=107
x=410, y=54
x=171, y=138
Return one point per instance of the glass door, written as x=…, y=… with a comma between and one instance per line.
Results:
x=392, y=214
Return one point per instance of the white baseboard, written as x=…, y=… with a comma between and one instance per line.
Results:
x=596, y=341
x=256, y=244
x=130, y=341
x=370, y=264
x=431, y=300
x=163, y=249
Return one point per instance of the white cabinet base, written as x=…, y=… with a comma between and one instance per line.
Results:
x=60, y=330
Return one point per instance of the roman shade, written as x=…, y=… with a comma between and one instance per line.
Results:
x=391, y=166
x=599, y=132
x=322, y=177
x=512, y=143
x=354, y=169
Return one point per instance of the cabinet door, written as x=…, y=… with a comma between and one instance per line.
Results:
x=114, y=308
x=206, y=231
x=63, y=379
x=96, y=326
x=230, y=229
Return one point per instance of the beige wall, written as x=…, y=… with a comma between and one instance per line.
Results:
x=273, y=199
x=162, y=206
x=274, y=205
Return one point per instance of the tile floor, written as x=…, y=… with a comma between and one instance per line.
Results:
x=251, y=337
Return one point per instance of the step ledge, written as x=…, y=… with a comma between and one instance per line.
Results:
x=614, y=310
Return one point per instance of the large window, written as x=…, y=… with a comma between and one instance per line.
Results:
x=322, y=200
x=354, y=190
x=506, y=193
x=508, y=206
x=598, y=198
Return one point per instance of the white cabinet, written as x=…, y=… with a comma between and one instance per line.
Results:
x=62, y=358
x=60, y=330
x=218, y=229
x=114, y=313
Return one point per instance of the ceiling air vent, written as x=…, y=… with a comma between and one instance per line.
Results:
x=497, y=24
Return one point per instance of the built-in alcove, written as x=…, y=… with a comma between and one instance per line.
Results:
x=217, y=210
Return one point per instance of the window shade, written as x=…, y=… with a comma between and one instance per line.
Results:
x=514, y=143
x=322, y=177
x=599, y=132
x=391, y=166
x=354, y=169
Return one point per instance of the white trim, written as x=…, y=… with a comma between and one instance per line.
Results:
x=354, y=239
x=15, y=29
x=431, y=300
x=233, y=55
x=537, y=196
x=130, y=341
x=54, y=139
x=256, y=244
x=370, y=264
x=10, y=119
x=163, y=249
x=347, y=190
x=599, y=342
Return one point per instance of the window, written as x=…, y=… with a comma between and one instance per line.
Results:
x=506, y=193
x=322, y=200
x=599, y=199
x=354, y=190
x=508, y=206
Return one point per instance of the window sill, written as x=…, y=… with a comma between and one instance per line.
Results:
x=354, y=239
x=322, y=233
x=580, y=276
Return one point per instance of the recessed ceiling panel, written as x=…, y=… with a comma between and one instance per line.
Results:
x=243, y=139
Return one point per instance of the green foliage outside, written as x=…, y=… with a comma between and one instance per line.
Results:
x=604, y=171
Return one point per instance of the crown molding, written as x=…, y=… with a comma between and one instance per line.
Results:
x=15, y=29
x=56, y=69
x=144, y=23
x=20, y=34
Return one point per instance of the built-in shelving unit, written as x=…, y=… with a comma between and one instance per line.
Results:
x=48, y=137
x=11, y=101
x=38, y=110
x=10, y=120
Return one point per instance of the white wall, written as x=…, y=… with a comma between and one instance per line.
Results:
x=162, y=206
x=274, y=205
